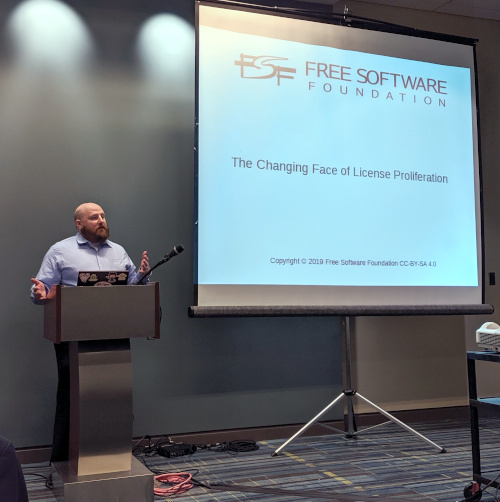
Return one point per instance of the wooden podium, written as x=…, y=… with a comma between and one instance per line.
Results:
x=97, y=323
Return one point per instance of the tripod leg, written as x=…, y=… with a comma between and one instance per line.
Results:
x=311, y=422
x=398, y=422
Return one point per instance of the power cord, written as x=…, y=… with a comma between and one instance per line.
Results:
x=167, y=484
x=47, y=478
x=178, y=483
x=164, y=445
x=232, y=447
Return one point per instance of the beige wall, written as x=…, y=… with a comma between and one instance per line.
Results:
x=420, y=362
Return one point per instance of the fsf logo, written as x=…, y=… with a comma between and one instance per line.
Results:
x=259, y=67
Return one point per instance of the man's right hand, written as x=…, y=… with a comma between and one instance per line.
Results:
x=39, y=291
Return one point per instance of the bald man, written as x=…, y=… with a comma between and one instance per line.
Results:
x=89, y=250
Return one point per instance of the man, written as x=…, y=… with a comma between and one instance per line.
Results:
x=88, y=250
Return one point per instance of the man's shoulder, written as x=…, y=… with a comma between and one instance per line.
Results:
x=64, y=243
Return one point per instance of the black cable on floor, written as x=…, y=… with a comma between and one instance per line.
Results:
x=239, y=446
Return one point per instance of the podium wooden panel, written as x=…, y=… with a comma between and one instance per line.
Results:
x=97, y=323
x=102, y=313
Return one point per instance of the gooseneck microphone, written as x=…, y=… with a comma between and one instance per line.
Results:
x=177, y=250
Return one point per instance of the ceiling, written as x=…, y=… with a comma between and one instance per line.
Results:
x=483, y=9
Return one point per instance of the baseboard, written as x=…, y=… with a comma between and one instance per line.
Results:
x=286, y=431
x=42, y=454
x=34, y=455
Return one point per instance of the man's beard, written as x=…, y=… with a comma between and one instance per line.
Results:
x=96, y=236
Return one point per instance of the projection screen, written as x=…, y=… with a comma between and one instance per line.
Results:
x=336, y=165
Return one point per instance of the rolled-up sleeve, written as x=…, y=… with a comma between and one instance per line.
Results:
x=49, y=273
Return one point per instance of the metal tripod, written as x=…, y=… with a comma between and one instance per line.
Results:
x=348, y=394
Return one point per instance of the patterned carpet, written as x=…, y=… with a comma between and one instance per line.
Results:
x=385, y=463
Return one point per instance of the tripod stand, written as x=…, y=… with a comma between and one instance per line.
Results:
x=348, y=394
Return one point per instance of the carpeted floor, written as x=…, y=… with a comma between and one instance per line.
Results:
x=387, y=463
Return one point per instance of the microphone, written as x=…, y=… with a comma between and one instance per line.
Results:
x=177, y=250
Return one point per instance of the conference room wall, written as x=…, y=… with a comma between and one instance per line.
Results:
x=94, y=107
x=115, y=138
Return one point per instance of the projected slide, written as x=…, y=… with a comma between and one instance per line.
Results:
x=327, y=166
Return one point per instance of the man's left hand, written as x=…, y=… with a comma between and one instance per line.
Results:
x=145, y=268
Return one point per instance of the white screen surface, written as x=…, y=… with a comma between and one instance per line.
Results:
x=336, y=166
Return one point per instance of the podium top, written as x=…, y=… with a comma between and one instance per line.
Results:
x=79, y=313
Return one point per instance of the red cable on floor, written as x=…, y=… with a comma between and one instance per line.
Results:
x=178, y=482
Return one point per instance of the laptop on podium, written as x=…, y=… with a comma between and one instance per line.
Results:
x=102, y=278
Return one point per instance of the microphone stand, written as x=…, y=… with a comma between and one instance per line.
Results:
x=177, y=250
x=161, y=262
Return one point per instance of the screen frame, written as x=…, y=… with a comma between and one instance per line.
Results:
x=318, y=308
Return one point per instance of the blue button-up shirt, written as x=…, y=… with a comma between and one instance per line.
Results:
x=75, y=254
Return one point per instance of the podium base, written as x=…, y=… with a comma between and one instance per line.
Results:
x=135, y=485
